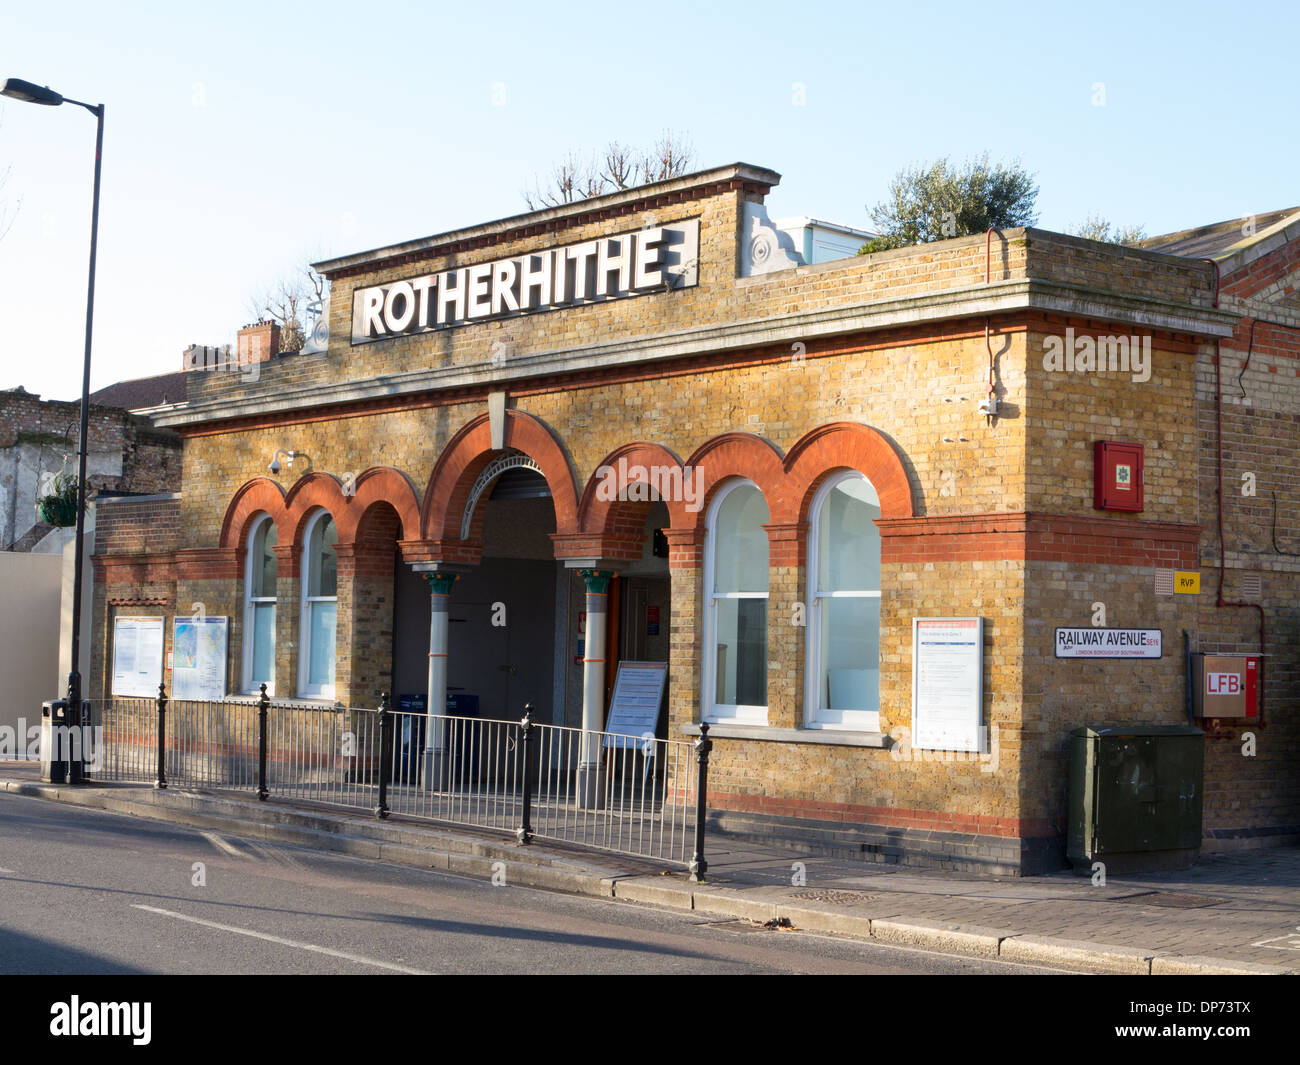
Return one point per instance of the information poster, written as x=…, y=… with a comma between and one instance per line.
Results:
x=199, y=658
x=634, y=708
x=947, y=683
x=137, y=656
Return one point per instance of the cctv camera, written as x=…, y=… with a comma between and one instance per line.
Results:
x=275, y=466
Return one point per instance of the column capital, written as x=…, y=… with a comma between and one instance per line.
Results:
x=597, y=580
x=440, y=582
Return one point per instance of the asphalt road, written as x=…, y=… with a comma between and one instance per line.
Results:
x=86, y=892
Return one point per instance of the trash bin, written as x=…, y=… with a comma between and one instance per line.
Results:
x=61, y=744
x=1135, y=797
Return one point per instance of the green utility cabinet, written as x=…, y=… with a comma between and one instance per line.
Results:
x=1135, y=797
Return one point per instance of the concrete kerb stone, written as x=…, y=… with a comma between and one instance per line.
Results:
x=1195, y=965
x=730, y=903
x=947, y=938
x=658, y=891
x=812, y=920
x=1077, y=954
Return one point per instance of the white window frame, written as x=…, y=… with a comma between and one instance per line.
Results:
x=251, y=602
x=738, y=714
x=859, y=721
x=306, y=690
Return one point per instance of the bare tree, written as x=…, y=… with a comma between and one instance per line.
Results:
x=617, y=167
x=285, y=301
x=1095, y=227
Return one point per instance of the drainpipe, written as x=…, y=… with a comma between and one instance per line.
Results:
x=1220, y=602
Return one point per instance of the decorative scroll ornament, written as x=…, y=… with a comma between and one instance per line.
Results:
x=318, y=334
x=764, y=248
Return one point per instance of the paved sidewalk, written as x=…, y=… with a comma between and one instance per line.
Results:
x=1232, y=913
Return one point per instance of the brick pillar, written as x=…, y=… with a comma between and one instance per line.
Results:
x=685, y=567
x=787, y=620
x=363, y=657
x=288, y=617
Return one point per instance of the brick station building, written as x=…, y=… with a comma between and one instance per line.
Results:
x=637, y=427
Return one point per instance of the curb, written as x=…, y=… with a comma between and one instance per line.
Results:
x=465, y=854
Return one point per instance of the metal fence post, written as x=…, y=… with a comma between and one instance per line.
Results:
x=263, y=705
x=526, y=726
x=703, y=746
x=160, y=781
x=385, y=754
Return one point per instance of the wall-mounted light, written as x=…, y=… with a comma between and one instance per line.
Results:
x=275, y=459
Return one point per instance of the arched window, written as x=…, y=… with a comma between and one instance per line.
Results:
x=735, y=624
x=320, y=579
x=259, y=607
x=843, y=662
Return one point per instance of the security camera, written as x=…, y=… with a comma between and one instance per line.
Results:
x=275, y=459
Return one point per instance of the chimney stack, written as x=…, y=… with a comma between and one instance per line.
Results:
x=259, y=342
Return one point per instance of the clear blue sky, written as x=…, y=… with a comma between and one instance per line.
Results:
x=243, y=139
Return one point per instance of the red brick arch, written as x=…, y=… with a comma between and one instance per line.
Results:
x=735, y=455
x=596, y=515
x=261, y=495
x=290, y=510
x=381, y=484
x=843, y=446
x=470, y=450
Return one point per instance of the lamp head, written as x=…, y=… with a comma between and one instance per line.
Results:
x=30, y=92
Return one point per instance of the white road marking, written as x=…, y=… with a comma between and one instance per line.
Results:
x=6, y=870
x=222, y=845
x=286, y=942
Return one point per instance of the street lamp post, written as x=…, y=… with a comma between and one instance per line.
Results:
x=37, y=94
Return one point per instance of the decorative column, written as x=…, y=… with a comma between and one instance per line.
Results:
x=589, y=786
x=435, y=734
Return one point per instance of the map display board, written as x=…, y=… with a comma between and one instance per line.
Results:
x=199, y=658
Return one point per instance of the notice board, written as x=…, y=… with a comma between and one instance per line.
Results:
x=947, y=683
x=137, y=656
x=199, y=658
x=634, y=707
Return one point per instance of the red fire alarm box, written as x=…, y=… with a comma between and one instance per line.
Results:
x=1116, y=476
x=1226, y=686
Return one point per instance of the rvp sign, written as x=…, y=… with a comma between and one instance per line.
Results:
x=1222, y=683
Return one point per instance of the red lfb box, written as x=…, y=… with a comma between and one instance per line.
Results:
x=1116, y=476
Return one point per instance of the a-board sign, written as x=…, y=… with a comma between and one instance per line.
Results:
x=1107, y=643
x=634, y=707
x=137, y=656
x=199, y=657
x=947, y=683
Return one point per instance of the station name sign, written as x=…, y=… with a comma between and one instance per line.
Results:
x=637, y=263
x=1108, y=643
